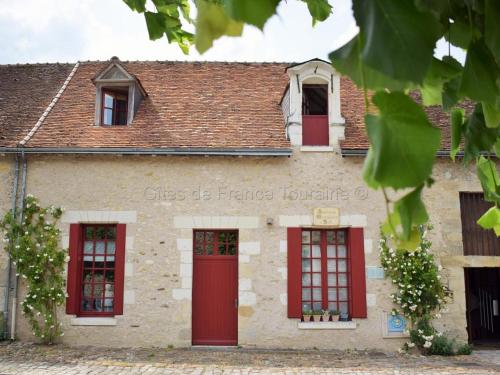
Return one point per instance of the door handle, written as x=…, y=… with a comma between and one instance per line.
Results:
x=236, y=303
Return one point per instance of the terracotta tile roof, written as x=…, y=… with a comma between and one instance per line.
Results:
x=353, y=111
x=189, y=104
x=25, y=93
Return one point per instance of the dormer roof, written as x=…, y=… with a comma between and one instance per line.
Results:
x=115, y=72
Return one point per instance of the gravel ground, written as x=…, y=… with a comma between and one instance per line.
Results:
x=17, y=358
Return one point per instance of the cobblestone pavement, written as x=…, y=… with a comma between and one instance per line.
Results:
x=32, y=359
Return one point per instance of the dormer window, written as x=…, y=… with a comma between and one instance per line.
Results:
x=114, y=107
x=118, y=95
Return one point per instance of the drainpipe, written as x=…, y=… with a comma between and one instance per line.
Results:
x=16, y=282
x=9, y=268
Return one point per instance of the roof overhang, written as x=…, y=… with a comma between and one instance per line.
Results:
x=182, y=151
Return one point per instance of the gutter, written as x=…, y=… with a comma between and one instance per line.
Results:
x=182, y=151
x=439, y=154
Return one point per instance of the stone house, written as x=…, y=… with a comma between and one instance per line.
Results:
x=213, y=203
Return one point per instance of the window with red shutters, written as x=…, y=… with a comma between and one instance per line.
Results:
x=326, y=271
x=96, y=269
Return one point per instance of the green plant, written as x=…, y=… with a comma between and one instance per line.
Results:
x=392, y=56
x=33, y=247
x=464, y=349
x=317, y=312
x=441, y=345
x=334, y=312
x=420, y=292
x=307, y=312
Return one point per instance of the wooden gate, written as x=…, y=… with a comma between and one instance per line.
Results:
x=215, y=288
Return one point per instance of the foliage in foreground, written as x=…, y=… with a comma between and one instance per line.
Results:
x=392, y=54
x=421, y=295
x=33, y=247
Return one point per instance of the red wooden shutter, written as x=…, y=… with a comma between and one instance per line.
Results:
x=75, y=235
x=358, y=277
x=119, y=268
x=294, y=272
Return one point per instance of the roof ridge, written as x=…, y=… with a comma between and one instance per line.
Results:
x=49, y=107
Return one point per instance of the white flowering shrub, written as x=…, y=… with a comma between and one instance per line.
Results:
x=420, y=295
x=33, y=247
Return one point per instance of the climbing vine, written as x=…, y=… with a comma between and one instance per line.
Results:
x=33, y=247
x=421, y=294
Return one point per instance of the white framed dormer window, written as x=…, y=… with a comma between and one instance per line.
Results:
x=118, y=95
x=311, y=106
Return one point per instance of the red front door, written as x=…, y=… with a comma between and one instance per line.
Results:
x=215, y=287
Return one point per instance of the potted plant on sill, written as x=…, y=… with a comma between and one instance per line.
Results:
x=326, y=315
x=307, y=314
x=317, y=314
x=335, y=315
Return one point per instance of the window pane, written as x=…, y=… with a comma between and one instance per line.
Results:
x=99, y=247
x=231, y=237
x=108, y=304
x=342, y=251
x=306, y=307
x=306, y=294
x=317, y=306
x=198, y=249
x=342, y=294
x=209, y=249
x=330, y=237
x=316, y=251
x=332, y=294
x=316, y=279
x=231, y=249
x=306, y=279
x=317, y=294
x=342, y=264
x=316, y=263
x=88, y=247
x=306, y=265
x=341, y=237
x=342, y=279
x=331, y=252
x=306, y=236
x=332, y=265
x=343, y=307
x=209, y=237
x=108, y=101
x=111, y=233
x=110, y=277
x=222, y=248
x=108, y=117
x=332, y=306
x=100, y=233
x=110, y=247
x=221, y=237
x=332, y=279
x=316, y=237
x=89, y=233
x=306, y=251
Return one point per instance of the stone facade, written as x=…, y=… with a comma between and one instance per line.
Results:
x=162, y=199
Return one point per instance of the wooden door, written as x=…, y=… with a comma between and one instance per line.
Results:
x=215, y=288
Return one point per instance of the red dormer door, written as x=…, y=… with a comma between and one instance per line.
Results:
x=315, y=130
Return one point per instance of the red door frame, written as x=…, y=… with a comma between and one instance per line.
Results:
x=230, y=305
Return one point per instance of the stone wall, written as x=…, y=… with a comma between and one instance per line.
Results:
x=163, y=198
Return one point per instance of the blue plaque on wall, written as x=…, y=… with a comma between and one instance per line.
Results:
x=396, y=323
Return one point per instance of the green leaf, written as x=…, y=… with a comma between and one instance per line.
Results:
x=460, y=34
x=492, y=27
x=403, y=141
x=212, y=22
x=399, y=38
x=346, y=60
x=450, y=95
x=137, y=5
x=320, y=9
x=156, y=23
x=496, y=148
x=253, y=12
x=368, y=170
x=438, y=74
x=457, y=122
x=478, y=138
x=491, y=115
x=491, y=220
x=488, y=176
x=480, y=74
x=411, y=211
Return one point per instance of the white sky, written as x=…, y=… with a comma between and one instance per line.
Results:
x=71, y=30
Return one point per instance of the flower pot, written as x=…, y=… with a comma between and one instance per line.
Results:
x=317, y=317
x=335, y=318
x=307, y=317
x=326, y=317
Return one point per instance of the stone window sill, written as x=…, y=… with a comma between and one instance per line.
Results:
x=316, y=148
x=326, y=325
x=93, y=321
